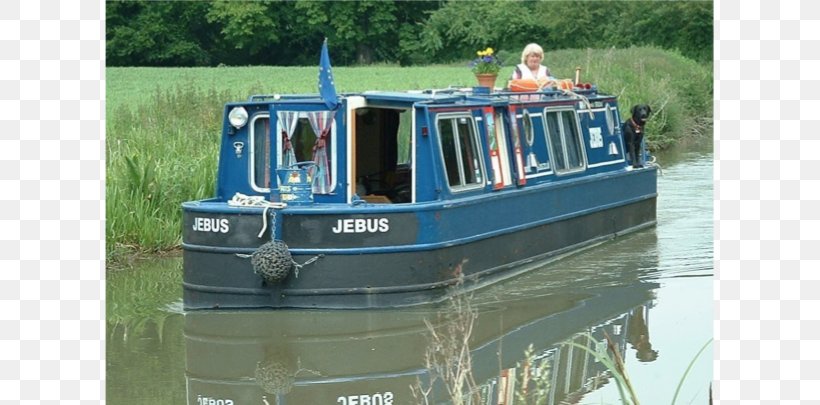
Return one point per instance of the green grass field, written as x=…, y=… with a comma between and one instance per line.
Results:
x=163, y=124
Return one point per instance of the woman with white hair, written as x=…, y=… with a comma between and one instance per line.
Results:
x=530, y=67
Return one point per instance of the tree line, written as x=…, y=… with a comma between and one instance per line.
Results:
x=290, y=33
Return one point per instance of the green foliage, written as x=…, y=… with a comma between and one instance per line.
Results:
x=682, y=25
x=678, y=89
x=604, y=352
x=247, y=25
x=455, y=29
x=457, y=26
x=163, y=125
x=535, y=377
x=140, y=178
x=689, y=368
x=282, y=33
x=601, y=351
x=355, y=28
x=290, y=33
x=142, y=33
x=148, y=175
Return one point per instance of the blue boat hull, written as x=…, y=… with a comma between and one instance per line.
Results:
x=486, y=240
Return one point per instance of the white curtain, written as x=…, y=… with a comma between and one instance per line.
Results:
x=321, y=122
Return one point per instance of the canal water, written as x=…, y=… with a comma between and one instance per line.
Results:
x=642, y=302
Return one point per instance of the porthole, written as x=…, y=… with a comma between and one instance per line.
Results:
x=528, y=131
x=610, y=119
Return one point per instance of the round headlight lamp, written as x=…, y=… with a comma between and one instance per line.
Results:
x=238, y=117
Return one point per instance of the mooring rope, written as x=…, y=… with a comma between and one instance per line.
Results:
x=583, y=99
x=654, y=162
x=242, y=200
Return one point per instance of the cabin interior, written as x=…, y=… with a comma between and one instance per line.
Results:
x=382, y=155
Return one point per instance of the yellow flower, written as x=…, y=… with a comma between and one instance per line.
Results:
x=489, y=51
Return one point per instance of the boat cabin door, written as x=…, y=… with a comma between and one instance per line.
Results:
x=381, y=144
x=498, y=141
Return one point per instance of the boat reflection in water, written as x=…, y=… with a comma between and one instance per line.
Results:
x=380, y=357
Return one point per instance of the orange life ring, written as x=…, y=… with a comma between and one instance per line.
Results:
x=523, y=85
x=565, y=84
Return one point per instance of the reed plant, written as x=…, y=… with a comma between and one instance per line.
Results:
x=611, y=359
x=163, y=124
x=448, y=356
x=159, y=154
x=535, y=375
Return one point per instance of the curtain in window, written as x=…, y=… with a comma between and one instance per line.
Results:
x=321, y=122
x=288, y=121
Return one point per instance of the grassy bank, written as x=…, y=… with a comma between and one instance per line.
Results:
x=163, y=124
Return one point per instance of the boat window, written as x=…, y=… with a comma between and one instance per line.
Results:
x=564, y=140
x=555, y=144
x=459, y=146
x=260, y=152
x=448, y=148
x=303, y=140
x=299, y=142
x=300, y=146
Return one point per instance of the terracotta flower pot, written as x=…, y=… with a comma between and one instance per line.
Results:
x=486, y=80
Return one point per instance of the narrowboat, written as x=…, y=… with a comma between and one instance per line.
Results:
x=387, y=198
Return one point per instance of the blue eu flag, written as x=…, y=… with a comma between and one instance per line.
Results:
x=327, y=89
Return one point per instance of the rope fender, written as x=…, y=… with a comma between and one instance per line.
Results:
x=274, y=262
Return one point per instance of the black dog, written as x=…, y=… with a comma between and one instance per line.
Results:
x=633, y=133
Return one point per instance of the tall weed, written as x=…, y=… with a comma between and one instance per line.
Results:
x=159, y=154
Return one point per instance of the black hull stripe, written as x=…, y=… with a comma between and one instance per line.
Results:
x=540, y=259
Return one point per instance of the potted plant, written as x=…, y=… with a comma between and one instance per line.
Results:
x=486, y=67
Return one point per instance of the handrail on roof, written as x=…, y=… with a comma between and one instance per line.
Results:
x=265, y=97
x=451, y=89
x=458, y=93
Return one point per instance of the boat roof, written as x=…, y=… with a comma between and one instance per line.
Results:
x=453, y=95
